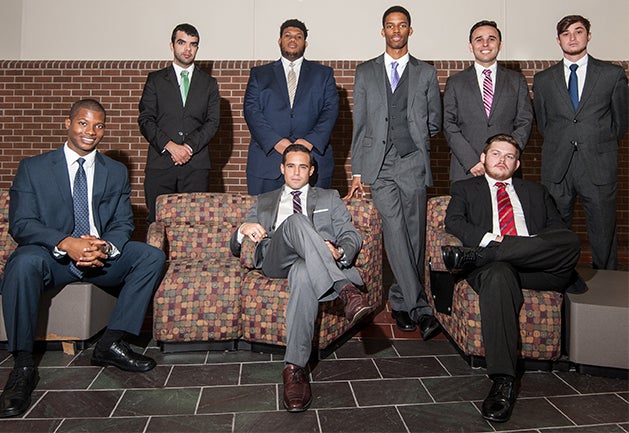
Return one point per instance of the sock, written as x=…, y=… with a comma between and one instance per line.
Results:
x=23, y=358
x=109, y=337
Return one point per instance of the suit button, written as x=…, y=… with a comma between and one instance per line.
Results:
x=386, y=119
x=574, y=120
x=292, y=115
x=180, y=133
x=384, y=142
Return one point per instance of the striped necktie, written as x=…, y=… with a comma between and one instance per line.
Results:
x=505, y=211
x=296, y=201
x=292, y=83
x=488, y=91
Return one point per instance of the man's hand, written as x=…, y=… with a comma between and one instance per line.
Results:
x=87, y=251
x=304, y=143
x=253, y=231
x=335, y=253
x=180, y=154
x=356, y=185
x=478, y=169
x=281, y=145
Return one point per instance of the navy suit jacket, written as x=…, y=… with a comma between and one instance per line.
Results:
x=469, y=215
x=41, y=210
x=270, y=117
x=164, y=118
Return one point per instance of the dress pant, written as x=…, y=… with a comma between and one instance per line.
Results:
x=542, y=262
x=297, y=252
x=32, y=269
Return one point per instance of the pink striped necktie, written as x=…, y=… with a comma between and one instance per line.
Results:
x=488, y=91
x=296, y=201
x=505, y=211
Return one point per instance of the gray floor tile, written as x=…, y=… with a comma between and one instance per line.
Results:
x=276, y=422
x=423, y=348
x=586, y=384
x=376, y=419
x=96, y=425
x=141, y=402
x=444, y=417
x=74, y=404
x=264, y=372
x=532, y=413
x=421, y=366
x=29, y=425
x=250, y=398
x=461, y=388
x=383, y=392
x=601, y=408
x=345, y=369
x=204, y=375
x=366, y=348
x=66, y=378
x=191, y=424
x=113, y=378
x=329, y=395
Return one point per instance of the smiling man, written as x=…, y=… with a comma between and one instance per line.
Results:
x=291, y=100
x=70, y=215
x=304, y=234
x=513, y=237
x=483, y=100
x=582, y=110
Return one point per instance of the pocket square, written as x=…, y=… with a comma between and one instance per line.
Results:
x=321, y=210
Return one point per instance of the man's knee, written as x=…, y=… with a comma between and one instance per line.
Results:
x=494, y=278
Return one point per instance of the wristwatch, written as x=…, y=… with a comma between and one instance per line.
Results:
x=107, y=249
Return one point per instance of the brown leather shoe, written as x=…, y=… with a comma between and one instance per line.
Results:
x=356, y=304
x=297, y=394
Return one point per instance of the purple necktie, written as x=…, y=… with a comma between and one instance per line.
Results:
x=395, y=77
x=296, y=201
x=488, y=91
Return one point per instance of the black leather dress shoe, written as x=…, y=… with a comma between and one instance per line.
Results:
x=498, y=405
x=403, y=321
x=16, y=397
x=429, y=326
x=462, y=259
x=120, y=355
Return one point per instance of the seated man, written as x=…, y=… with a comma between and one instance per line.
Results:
x=304, y=234
x=515, y=238
x=71, y=217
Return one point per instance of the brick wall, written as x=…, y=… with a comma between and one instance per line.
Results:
x=35, y=97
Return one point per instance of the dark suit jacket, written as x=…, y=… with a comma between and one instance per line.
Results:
x=601, y=120
x=371, y=112
x=469, y=215
x=270, y=117
x=164, y=118
x=465, y=123
x=329, y=216
x=41, y=210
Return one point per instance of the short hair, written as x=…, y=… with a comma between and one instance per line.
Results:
x=87, y=104
x=484, y=23
x=294, y=23
x=568, y=20
x=188, y=29
x=394, y=9
x=505, y=138
x=297, y=148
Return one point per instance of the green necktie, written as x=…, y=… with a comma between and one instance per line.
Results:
x=185, y=85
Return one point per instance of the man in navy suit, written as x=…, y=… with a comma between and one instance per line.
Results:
x=45, y=214
x=583, y=114
x=513, y=237
x=289, y=101
x=179, y=115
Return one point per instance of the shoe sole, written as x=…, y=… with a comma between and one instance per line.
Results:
x=360, y=315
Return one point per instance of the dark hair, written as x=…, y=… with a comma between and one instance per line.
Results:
x=87, y=104
x=294, y=23
x=505, y=138
x=297, y=148
x=188, y=29
x=394, y=9
x=484, y=23
x=567, y=21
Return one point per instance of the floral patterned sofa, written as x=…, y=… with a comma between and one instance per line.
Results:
x=209, y=299
x=540, y=316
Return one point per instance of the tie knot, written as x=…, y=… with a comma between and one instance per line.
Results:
x=573, y=67
x=487, y=73
x=81, y=161
x=501, y=185
x=291, y=65
x=184, y=74
x=394, y=65
x=296, y=193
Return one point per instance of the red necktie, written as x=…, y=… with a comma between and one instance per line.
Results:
x=505, y=211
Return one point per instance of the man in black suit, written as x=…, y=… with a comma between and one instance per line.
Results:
x=513, y=237
x=179, y=115
x=582, y=110
x=483, y=100
x=70, y=215
x=304, y=234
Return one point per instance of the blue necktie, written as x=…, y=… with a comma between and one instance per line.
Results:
x=573, y=86
x=395, y=77
x=81, y=210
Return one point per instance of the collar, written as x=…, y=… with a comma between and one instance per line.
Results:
x=72, y=156
x=581, y=62
x=296, y=64
x=492, y=182
x=402, y=61
x=304, y=189
x=493, y=68
x=178, y=70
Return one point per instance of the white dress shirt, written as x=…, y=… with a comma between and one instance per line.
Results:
x=581, y=72
x=296, y=67
x=481, y=77
x=401, y=64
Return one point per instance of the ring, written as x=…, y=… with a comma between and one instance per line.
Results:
x=253, y=235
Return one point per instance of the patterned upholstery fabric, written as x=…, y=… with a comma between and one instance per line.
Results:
x=265, y=299
x=7, y=244
x=540, y=316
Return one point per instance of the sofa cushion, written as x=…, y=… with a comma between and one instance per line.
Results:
x=196, y=242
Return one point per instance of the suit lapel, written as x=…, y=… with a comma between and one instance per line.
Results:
x=559, y=79
x=311, y=202
x=171, y=79
x=413, y=79
x=59, y=168
x=304, y=74
x=280, y=79
x=471, y=83
x=380, y=77
x=98, y=188
x=591, y=77
x=499, y=89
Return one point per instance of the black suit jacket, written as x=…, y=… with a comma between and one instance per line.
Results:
x=469, y=215
x=163, y=116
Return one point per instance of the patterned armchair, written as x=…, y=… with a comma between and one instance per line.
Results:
x=198, y=301
x=264, y=299
x=540, y=316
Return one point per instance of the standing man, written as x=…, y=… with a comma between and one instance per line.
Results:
x=513, y=237
x=582, y=109
x=71, y=217
x=304, y=234
x=289, y=101
x=483, y=100
x=397, y=108
x=179, y=115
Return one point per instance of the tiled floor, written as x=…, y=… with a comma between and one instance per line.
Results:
x=393, y=384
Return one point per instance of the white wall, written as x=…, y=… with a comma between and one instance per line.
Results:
x=339, y=29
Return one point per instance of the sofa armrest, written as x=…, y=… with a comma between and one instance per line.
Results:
x=435, y=239
x=156, y=235
x=247, y=250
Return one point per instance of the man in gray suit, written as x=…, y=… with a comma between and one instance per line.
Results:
x=397, y=108
x=304, y=234
x=481, y=101
x=582, y=110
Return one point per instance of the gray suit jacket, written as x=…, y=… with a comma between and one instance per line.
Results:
x=329, y=216
x=599, y=123
x=371, y=114
x=465, y=122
